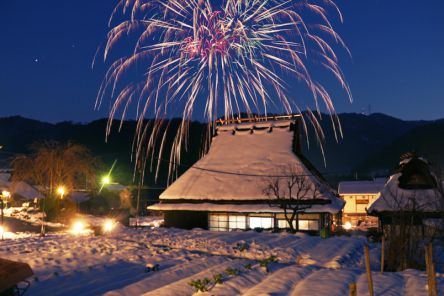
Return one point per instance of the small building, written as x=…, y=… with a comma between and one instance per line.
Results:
x=410, y=209
x=358, y=195
x=412, y=192
x=224, y=190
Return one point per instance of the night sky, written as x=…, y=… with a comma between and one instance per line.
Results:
x=47, y=48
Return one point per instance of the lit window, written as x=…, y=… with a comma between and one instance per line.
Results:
x=284, y=224
x=308, y=225
x=218, y=222
x=237, y=222
x=261, y=222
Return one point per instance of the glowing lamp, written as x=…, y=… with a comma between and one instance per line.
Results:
x=61, y=191
x=106, y=180
x=347, y=225
x=6, y=194
x=2, y=231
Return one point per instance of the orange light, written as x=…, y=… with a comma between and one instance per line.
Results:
x=61, y=191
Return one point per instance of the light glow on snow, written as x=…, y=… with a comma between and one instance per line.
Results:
x=114, y=265
x=4, y=233
x=79, y=228
x=108, y=225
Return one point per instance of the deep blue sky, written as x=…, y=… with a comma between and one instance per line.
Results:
x=47, y=47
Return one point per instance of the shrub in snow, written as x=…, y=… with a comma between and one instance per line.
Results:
x=232, y=271
x=242, y=246
x=218, y=278
x=200, y=285
x=151, y=267
x=264, y=264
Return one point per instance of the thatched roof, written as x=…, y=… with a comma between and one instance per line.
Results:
x=414, y=188
x=248, y=153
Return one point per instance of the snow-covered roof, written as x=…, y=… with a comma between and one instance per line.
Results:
x=361, y=187
x=79, y=196
x=4, y=177
x=248, y=154
x=115, y=187
x=334, y=207
x=4, y=181
x=25, y=190
x=394, y=199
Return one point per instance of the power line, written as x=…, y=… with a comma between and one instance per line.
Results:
x=238, y=174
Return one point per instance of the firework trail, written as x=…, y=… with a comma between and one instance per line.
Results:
x=233, y=55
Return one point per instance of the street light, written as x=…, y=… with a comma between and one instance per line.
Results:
x=5, y=195
x=61, y=191
x=106, y=180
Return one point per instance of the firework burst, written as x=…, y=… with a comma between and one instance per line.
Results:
x=230, y=56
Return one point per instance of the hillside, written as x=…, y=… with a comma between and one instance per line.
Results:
x=362, y=136
x=370, y=143
x=17, y=135
x=427, y=141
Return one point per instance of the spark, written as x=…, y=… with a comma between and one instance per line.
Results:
x=231, y=56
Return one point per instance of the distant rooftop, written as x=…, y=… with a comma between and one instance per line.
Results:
x=257, y=119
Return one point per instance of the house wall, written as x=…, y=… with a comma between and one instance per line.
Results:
x=186, y=219
x=222, y=221
x=355, y=207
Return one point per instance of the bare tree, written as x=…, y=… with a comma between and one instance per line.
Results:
x=293, y=191
x=52, y=164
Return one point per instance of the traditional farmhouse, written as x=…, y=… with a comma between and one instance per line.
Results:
x=358, y=195
x=225, y=190
x=413, y=192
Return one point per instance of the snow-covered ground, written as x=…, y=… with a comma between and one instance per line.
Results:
x=116, y=264
x=28, y=214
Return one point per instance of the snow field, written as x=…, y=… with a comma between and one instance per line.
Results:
x=115, y=264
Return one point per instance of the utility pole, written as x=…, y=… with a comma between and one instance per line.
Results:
x=1, y=205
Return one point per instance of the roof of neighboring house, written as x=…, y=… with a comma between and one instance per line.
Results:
x=361, y=187
x=4, y=181
x=239, y=163
x=115, y=187
x=79, y=196
x=413, y=188
x=25, y=190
